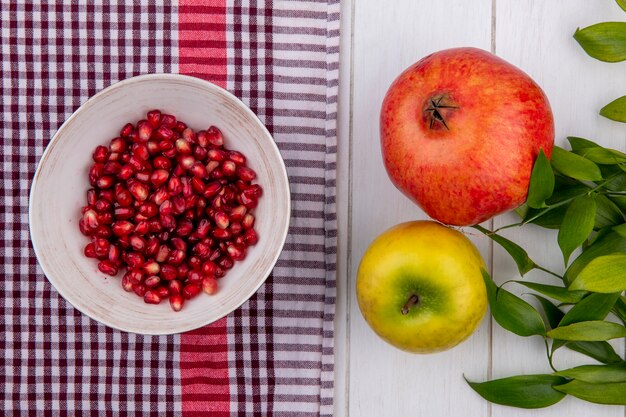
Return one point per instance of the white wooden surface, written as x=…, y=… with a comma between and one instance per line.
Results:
x=379, y=40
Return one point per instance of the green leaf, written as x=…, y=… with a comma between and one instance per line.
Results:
x=619, y=200
x=604, y=274
x=519, y=255
x=577, y=225
x=620, y=309
x=620, y=230
x=589, y=331
x=604, y=41
x=556, y=292
x=541, y=182
x=622, y=4
x=552, y=312
x=608, y=244
x=593, y=307
x=615, y=110
x=607, y=213
x=611, y=393
x=600, y=351
x=581, y=143
x=596, y=373
x=575, y=166
x=511, y=312
x=524, y=391
x=603, y=156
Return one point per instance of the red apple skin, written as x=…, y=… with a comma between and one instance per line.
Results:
x=479, y=164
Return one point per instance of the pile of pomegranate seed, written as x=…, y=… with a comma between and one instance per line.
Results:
x=170, y=206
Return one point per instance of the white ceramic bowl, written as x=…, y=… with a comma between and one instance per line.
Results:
x=59, y=190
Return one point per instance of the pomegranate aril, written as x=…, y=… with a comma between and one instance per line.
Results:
x=216, y=155
x=126, y=172
x=138, y=190
x=238, y=213
x=237, y=157
x=107, y=267
x=204, y=226
x=212, y=189
x=175, y=186
x=141, y=152
x=92, y=197
x=137, y=243
x=221, y=234
x=95, y=172
x=167, y=221
x=142, y=227
x=136, y=163
x=122, y=228
x=117, y=145
x=151, y=268
x=200, y=153
x=214, y=136
x=183, y=147
x=153, y=147
x=101, y=154
x=178, y=205
x=105, y=218
x=176, y=257
x=197, y=185
x=162, y=254
x=164, y=133
x=190, y=291
x=152, y=246
x=126, y=283
x=105, y=181
x=209, y=268
x=124, y=213
x=103, y=232
x=90, y=219
x=151, y=297
x=139, y=289
x=246, y=174
x=253, y=191
x=235, y=252
x=229, y=168
x=184, y=228
x=248, y=221
x=178, y=243
x=90, y=250
x=177, y=302
x=221, y=220
x=123, y=242
x=225, y=262
x=180, y=127
x=194, y=277
x=215, y=255
x=154, y=118
x=159, y=176
x=203, y=251
x=112, y=168
x=235, y=229
x=168, y=120
x=160, y=196
x=152, y=281
x=154, y=225
x=161, y=162
x=186, y=161
x=134, y=259
x=165, y=207
x=250, y=237
x=209, y=285
x=162, y=291
x=102, y=206
x=126, y=130
x=114, y=254
x=148, y=209
x=144, y=130
x=168, y=272
x=198, y=170
x=174, y=287
x=101, y=247
x=211, y=166
x=108, y=195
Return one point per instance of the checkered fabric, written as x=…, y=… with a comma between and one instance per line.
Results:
x=274, y=355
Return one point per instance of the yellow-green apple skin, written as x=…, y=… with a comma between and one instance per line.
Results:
x=432, y=265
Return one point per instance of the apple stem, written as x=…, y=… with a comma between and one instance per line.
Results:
x=413, y=300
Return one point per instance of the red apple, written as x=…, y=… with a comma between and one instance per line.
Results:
x=460, y=131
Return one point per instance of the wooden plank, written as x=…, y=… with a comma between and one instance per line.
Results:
x=342, y=342
x=385, y=381
x=537, y=37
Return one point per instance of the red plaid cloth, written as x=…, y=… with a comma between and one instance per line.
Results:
x=272, y=356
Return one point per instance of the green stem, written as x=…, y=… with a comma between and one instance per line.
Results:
x=541, y=268
x=549, y=354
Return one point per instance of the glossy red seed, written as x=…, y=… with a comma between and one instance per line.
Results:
x=176, y=257
x=214, y=136
x=174, y=287
x=90, y=219
x=209, y=285
x=250, y=237
x=117, y=145
x=102, y=206
x=141, y=152
x=101, y=247
x=103, y=232
x=246, y=174
x=160, y=195
x=167, y=221
x=162, y=254
x=158, y=177
x=211, y=166
x=90, y=250
x=183, y=271
x=101, y=154
x=105, y=218
x=114, y=253
x=95, y=172
x=221, y=234
x=190, y=291
x=124, y=213
x=194, y=277
x=112, y=168
x=221, y=220
x=164, y=133
x=151, y=268
x=148, y=209
x=238, y=213
x=216, y=155
x=144, y=130
x=168, y=272
x=154, y=118
x=154, y=225
x=198, y=170
x=161, y=162
x=199, y=153
x=138, y=190
x=126, y=172
x=142, y=228
x=105, y=181
x=139, y=289
x=237, y=157
x=126, y=283
x=225, y=262
x=209, y=268
x=194, y=262
x=107, y=267
x=152, y=246
x=248, y=221
x=183, y=147
x=152, y=281
x=134, y=259
x=151, y=297
x=137, y=243
x=126, y=130
x=153, y=147
x=235, y=252
x=122, y=228
x=235, y=228
x=177, y=302
x=168, y=120
x=228, y=168
x=212, y=189
x=184, y=228
x=175, y=186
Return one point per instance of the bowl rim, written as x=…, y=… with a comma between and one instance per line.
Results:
x=85, y=107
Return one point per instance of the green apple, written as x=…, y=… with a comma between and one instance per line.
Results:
x=420, y=287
